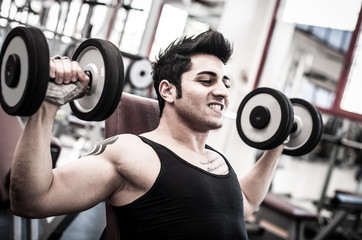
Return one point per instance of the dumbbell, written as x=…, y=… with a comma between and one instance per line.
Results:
x=24, y=75
x=266, y=118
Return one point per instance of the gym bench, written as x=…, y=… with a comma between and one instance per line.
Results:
x=282, y=218
x=134, y=115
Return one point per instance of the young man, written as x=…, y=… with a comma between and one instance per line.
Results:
x=164, y=184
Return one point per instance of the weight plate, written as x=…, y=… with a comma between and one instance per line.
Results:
x=268, y=128
x=24, y=66
x=307, y=131
x=139, y=74
x=104, y=61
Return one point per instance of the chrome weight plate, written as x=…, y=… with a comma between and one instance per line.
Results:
x=24, y=62
x=139, y=74
x=307, y=128
x=103, y=60
x=264, y=118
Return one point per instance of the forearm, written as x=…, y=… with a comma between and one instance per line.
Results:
x=31, y=172
x=256, y=183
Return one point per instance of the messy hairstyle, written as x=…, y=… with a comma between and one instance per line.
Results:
x=176, y=58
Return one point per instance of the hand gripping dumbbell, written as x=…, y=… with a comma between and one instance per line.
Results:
x=24, y=75
x=266, y=118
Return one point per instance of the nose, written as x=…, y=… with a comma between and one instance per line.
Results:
x=220, y=90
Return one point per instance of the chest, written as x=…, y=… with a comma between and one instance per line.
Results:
x=188, y=185
x=209, y=161
x=189, y=202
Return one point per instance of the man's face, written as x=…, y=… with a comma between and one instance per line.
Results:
x=205, y=94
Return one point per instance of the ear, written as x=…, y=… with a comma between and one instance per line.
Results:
x=167, y=91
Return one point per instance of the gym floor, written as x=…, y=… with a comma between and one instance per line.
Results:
x=87, y=225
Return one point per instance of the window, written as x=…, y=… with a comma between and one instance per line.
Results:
x=314, y=63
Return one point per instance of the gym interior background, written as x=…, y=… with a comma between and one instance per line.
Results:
x=305, y=48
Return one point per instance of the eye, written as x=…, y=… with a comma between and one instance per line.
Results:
x=208, y=81
x=227, y=83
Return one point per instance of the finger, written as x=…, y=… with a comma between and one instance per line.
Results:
x=59, y=71
x=51, y=68
x=67, y=67
x=82, y=77
x=75, y=67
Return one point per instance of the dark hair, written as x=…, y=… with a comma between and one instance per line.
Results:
x=176, y=58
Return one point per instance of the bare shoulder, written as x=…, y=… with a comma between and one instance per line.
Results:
x=137, y=164
x=117, y=145
x=130, y=146
x=127, y=152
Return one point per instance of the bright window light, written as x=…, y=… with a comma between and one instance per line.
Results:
x=171, y=26
x=336, y=14
x=352, y=97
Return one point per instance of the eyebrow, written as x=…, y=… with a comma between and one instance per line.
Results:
x=212, y=74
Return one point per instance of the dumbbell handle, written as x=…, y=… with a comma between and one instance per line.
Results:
x=87, y=72
x=56, y=96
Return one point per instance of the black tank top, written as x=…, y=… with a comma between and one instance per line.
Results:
x=185, y=202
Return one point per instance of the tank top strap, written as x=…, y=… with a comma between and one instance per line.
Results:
x=161, y=151
x=165, y=153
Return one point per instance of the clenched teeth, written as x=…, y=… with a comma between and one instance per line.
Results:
x=215, y=107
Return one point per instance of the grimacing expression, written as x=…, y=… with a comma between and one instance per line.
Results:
x=205, y=94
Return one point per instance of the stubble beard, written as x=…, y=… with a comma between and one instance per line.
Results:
x=198, y=120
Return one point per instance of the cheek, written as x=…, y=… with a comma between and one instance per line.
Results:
x=190, y=104
x=179, y=92
x=193, y=99
x=227, y=102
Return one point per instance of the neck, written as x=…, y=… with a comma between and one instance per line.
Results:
x=172, y=131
